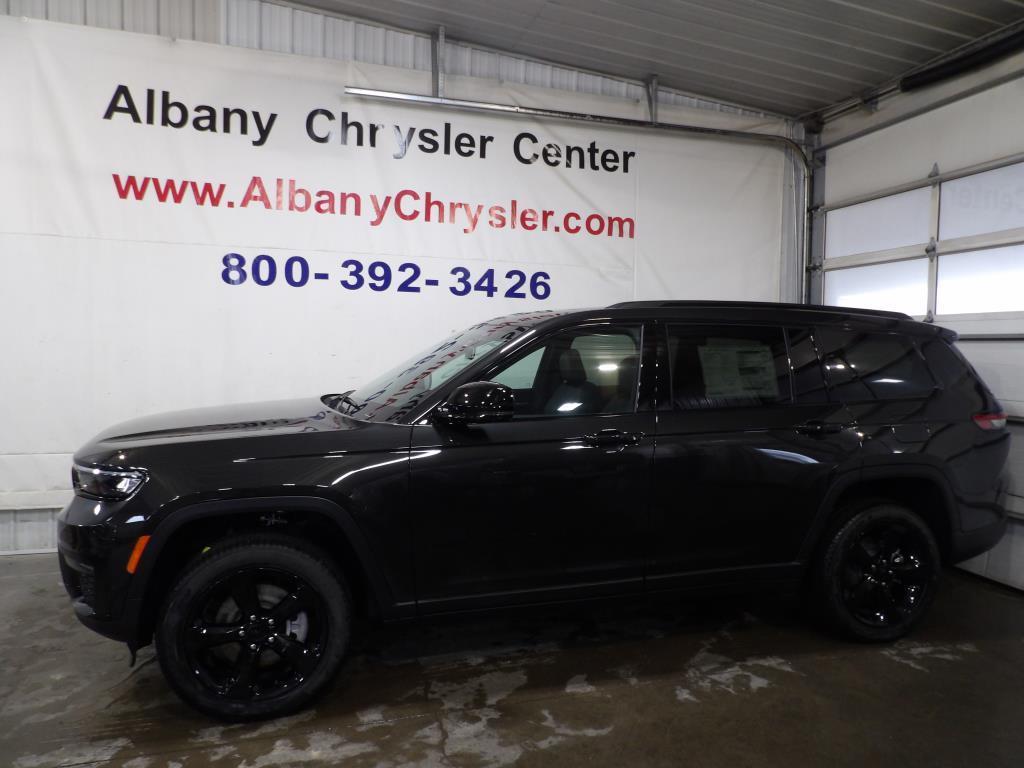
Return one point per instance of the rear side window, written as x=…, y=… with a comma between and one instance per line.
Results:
x=727, y=366
x=863, y=365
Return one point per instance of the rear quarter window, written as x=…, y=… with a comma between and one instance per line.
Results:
x=946, y=364
x=865, y=366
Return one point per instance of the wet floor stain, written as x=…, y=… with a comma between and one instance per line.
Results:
x=717, y=683
x=917, y=655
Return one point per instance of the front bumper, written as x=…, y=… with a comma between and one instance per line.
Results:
x=92, y=553
x=121, y=625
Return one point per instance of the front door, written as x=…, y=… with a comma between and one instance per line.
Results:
x=747, y=443
x=552, y=504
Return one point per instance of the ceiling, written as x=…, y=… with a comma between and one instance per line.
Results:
x=793, y=57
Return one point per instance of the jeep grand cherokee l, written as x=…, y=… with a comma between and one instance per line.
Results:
x=534, y=458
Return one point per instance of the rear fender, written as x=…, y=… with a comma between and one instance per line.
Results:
x=863, y=477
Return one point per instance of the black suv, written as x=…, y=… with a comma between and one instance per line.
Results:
x=541, y=457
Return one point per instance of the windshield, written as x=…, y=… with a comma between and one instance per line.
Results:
x=395, y=393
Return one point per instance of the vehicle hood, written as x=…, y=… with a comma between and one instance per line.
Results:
x=230, y=421
x=266, y=445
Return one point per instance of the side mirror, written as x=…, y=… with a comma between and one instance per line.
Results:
x=478, y=402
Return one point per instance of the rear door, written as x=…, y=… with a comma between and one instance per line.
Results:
x=747, y=441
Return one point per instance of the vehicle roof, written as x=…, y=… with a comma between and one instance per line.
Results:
x=757, y=312
x=769, y=305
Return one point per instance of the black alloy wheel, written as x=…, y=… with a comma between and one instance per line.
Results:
x=879, y=572
x=255, y=634
x=254, y=628
x=885, y=573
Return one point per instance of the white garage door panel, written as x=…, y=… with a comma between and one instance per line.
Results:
x=900, y=286
x=989, y=281
x=1000, y=364
x=878, y=225
x=977, y=129
x=992, y=201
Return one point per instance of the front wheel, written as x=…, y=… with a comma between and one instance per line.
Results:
x=878, y=573
x=255, y=628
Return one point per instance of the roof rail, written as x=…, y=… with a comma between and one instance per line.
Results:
x=695, y=304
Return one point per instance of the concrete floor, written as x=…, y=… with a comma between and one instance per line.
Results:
x=730, y=684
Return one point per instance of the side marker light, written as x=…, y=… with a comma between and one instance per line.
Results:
x=140, y=546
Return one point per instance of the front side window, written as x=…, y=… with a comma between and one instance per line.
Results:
x=392, y=395
x=727, y=366
x=590, y=370
x=863, y=365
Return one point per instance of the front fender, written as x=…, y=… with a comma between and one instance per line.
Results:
x=141, y=592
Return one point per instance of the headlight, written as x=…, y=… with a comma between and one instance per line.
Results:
x=113, y=484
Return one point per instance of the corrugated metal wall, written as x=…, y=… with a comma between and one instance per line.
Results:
x=189, y=19
x=288, y=29
x=28, y=530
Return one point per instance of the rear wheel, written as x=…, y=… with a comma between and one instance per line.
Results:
x=253, y=629
x=878, y=573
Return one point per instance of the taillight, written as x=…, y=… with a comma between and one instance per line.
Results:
x=990, y=421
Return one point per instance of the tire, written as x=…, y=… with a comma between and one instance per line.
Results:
x=273, y=657
x=877, y=573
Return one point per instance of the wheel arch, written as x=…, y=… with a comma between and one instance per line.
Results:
x=327, y=526
x=921, y=488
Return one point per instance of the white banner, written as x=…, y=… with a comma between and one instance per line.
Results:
x=184, y=224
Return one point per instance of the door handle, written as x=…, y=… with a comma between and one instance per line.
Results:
x=820, y=428
x=612, y=438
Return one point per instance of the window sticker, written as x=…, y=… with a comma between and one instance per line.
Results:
x=738, y=369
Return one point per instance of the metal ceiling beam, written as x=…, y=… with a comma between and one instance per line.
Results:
x=437, y=62
x=652, y=97
x=557, y=114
